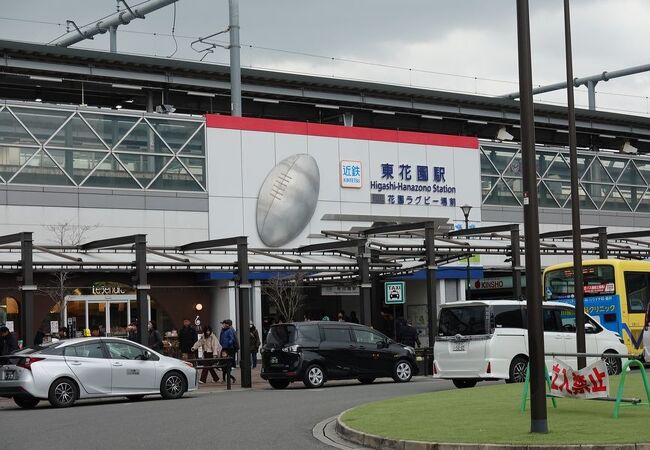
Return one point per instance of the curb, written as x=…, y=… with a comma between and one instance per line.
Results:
x=383, y=443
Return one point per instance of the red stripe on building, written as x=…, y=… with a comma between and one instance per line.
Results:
x=338, y=131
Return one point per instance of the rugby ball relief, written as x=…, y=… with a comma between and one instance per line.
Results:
x=287, y=199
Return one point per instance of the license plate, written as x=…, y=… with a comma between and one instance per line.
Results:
x=459, y=346
x=274, y=360
x=10, y=375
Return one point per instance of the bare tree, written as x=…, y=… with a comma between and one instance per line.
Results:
x=63, y=234
x=286, y=294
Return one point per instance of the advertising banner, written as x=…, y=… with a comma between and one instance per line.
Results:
x=590, y=382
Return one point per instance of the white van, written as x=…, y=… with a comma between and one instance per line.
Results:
x=488, y=340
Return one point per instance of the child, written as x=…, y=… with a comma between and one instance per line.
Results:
x=224, y=354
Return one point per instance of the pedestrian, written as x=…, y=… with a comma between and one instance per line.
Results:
x=353, y=317
x=211, y=348
x=8, y=342
x=228, y=341
x=186, y=339
x=255, y=345
x=341, y=316
x=63, y=333
x=132, y=332
x=155, y=339
x=409, y=335
x=40, y=335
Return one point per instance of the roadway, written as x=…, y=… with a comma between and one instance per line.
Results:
x=258, y=419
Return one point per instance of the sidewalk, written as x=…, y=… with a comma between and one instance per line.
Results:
x=211, y=386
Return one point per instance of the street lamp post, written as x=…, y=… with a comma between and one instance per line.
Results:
x=466, y=210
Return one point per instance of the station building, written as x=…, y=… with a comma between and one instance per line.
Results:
x=85, y=156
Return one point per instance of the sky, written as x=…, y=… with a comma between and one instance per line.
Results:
x=454, y=45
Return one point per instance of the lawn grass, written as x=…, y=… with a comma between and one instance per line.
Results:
x=491, y=414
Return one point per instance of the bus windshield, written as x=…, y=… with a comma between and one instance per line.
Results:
x=598, y=281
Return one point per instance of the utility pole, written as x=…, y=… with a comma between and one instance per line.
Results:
x=575, y=200
x=538, y=422
x=235, y=64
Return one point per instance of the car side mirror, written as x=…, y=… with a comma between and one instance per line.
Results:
x=147, y=355
x=383, y=344
x=589, y=328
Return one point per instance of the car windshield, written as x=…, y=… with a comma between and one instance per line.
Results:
x=281, y=335
x=465, y=320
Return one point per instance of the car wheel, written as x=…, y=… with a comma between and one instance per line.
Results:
x=403, y=371
x=279, y=384
x=517, y=370
x=172, y=386
x=135, y=398
x=614, y=365
x=314, y=376
x=463, y=383
x=26, y=402
x=366, y=380
x=63, y=393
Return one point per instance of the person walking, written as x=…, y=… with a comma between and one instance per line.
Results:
x=186, y=339
x=255, y=345
x=132, y=332
x=155, y=339
x=211, y=347
x=409, y=335
x=8, y=342
x=353, y=317
x=228, y=342
x=63, y=333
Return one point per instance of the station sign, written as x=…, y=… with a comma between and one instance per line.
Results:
x=394, y=292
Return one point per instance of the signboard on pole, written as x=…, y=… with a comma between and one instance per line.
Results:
x=394, y=292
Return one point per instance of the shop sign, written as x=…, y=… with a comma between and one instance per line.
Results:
x=351, y=174
x=108, y=290
x=54, y=326
x=495, y=283
x=407, y=184
x=10, y=325
x=328, y=291
x=394, y=292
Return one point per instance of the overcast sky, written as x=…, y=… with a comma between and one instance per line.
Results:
x=475, y=39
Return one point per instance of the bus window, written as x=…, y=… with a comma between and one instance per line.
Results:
x=637, y=291
x=598, y=280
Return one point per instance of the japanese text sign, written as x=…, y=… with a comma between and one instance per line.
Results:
x=590, y=382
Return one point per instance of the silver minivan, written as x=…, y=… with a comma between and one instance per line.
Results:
x=488, y=340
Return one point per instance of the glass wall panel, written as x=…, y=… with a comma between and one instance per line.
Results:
x=110, y=173
x=43, y=123
x=500, y=157
x=196, y=146
x=614, y=166
x=77, y=164
x=633, y=194
x=42, y=170
x=12, y=132
x=631, y=175
x=175, y=132
x=545, y=198
x=644, y=205
x=561, y=190
x=109, y=127
x=196, y=167
x=543, y=161
x=486, y=185
x=615, y=202
x=13, y=158
x=598, y=192
x=143, y=139
x=559, y=170
x=77, y=311
x=514, y=168
x=76, y=134
x=501, y=195
x=585, y=201
x=175, y=178
x=143, y=167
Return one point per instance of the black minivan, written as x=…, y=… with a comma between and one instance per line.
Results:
x=314, y=352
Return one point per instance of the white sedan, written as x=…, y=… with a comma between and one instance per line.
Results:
x=73, y=369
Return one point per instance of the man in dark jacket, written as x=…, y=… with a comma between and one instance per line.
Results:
x=228, y=341
x=409, y=335
x=186, y=339
x=8, y=342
